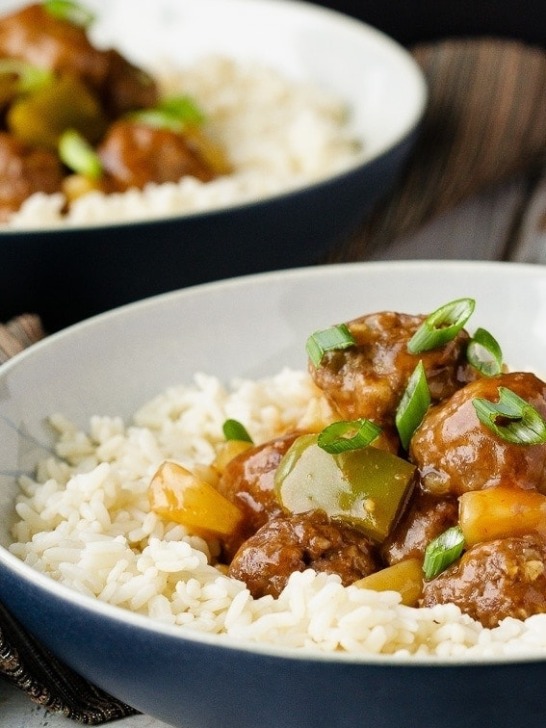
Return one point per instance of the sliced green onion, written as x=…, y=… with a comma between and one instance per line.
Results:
x=183, y=108
x=70, y=11
x=348, y=435
x=512, y=418
x=172, y=113
x=442, y=325
x=234, y=430
x=29, y=78
x=484, y=353
x=443, y=551
x=332, y=339
x=157, y=119
x=413, y=405
x=76, y=152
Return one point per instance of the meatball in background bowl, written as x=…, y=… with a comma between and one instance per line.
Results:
x=190, y=676
x=290, y=201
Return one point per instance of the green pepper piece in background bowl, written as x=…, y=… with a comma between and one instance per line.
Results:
x=18, y=78
x=40, y=118
x=367, y=487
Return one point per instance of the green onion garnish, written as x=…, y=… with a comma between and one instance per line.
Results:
x=70, y=11
x=332, y=339
x=184, y=108
x=348, y=435
x=234, y=430
x=442, y=325
x=413, y=405
x=443, y=551
x=484, y=353
x=172, y=113
x=29, y=78
x=512, y=418
x=76, y=152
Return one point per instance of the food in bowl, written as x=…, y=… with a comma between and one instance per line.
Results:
x=142, y=516
x=90, y=137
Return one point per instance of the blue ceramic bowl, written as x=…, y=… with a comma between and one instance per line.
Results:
x=113, y=363
x=67, y=274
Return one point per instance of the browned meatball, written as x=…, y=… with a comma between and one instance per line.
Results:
x=426, y=518
x=368, y=380
x=36, y=36
x=248, y=481
x=134, y=154
x=23, y=171
x=295, y=543
x=494, y=580
x=126, y=87
x=456, y=453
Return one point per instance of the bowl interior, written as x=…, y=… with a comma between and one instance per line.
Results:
x=381, y=83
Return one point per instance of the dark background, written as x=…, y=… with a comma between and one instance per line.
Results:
x=415, y=21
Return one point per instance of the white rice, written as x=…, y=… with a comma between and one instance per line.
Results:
x=85, y=521
x=278, y=135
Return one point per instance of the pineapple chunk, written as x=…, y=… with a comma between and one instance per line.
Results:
x=405, y=577
x=229, y=450
x=501, y=512
x=176, y=494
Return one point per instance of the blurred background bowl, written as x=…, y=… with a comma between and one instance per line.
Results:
x=113, y=363
x=66, y=274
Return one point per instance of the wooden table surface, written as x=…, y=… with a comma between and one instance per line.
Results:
x=507, y=223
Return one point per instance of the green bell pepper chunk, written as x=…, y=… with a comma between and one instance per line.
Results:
x=367, y=488
x=40, y=118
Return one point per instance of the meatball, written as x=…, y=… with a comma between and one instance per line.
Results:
x=426, y=518
x=248, y=482
x=126, y=87
x=25, y=170
x=494, y=580
x=35, y=35
x=298, y=542
x=368, y=379
x=456, y=453
x=134, y=154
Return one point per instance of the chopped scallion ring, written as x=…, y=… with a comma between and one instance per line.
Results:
x=29, y=78
x=348, y=435
x=76, y=152
x=184, y=108
x=157, y=119
x=413, y=405
x=512, y=418
x=234, y=430
x=442, y=325
x=70, y=11
x=172, y=113
x=484, y=353
x=332, y=339
x=442, y=551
